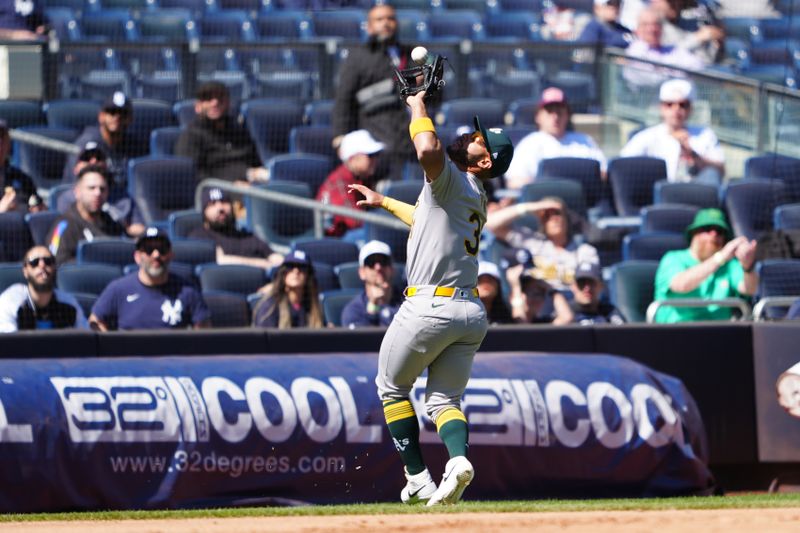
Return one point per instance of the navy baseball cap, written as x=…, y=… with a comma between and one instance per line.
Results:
x=118, y=102
x=588, y=270
x=516, y=256
x=296, y=257
x=499, y=145
x=91, y=149
x=214, y=194
x=152, y=234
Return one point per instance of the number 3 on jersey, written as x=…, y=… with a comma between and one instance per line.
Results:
x=472, y=247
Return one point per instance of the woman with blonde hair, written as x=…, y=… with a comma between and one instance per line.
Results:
x=292, y=299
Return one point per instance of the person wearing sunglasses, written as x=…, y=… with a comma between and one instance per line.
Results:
x=291, y=300
x=692, y=153
x=716, y=265
x=152, y=297
x=37, y=304
x=587, y=306
x=379, y=301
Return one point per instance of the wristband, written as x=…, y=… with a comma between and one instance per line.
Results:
x=419, y=125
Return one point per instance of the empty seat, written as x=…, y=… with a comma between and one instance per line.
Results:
x=651, y=246
x=113, y=25
x=269, y=122
x=784, y=168
x=228, y=310
x=39, y=224
x=280, y=223
x=584, y=171
x=18, y=113
x=523, y=111
x=282, y=25
x=312, y=140
x=751, y=203
x=787, y=216
x=14, y=236
x=395, y=238
x=162, y=140
x=44, y=166
x=347, y=274
x=460, y=112
x=108, y=250
x=343, y=23
x=181, y=223
x=333, y=303
x=452, y=25
x=328, y=250
x=239, y=279
x=405, y=191
x=148, y=115
x=71, y=114
x=87, y=278
x=317, y=113
x=11, y=273
x=326, y=277
x=571, y=192
x=194, y=251
x=632, y=180
x=229, y=25
x=311, y=169
x=166, y=25
x=631, y=288
x=778, y=277
x=162, y=185
x=673, y=218
x=688, y=192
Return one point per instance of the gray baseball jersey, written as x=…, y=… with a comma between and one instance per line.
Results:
x=440, y=333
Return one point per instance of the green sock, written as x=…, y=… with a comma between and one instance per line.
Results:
x=454, y=432
x=404, y=429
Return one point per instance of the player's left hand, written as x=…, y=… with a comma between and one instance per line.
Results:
x=371, y=198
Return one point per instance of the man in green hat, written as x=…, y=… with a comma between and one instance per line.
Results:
x=713, y=267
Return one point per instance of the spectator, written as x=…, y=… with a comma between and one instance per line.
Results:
x=37, y=304
x=648, y=45
x=18, y=187
x=556, y=252
x=378, y=302
x=358, y=151
x=604, y=28
x=85, y=219
x=713, y=267
x=112, y=137
x=752, y=8
x=220, y=147
x=560, y=23
x=367, y=96
x=586, y=306
x=234, y=246
x=119, y=206
x=533, y=301
x=552, y=140
x=490, y=291
x=706, y=42
x=292, y=299
x=22, y=21
x=692, y=153
x=152, y=297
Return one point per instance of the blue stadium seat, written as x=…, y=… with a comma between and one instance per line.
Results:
x=106, y=250
x=64, y=22
x=86, y=301
x=133, y=5
x=455, y=25
x=224, y=26
x=194, y=251
x=778, y=277
x=460, y=111
x=14, y=235
x=405, y=191
x=166, y=25
x=280, y=223
x=269, y=123
x=526, y=6
x=197, y=8
x=343, y=23
x=750, y=204
x=312, y=140
x=673, y=218
x=162, y=140
x=228, y=310
x=395, y=238
x=420, y=5
x=40, y=224
x=181, y=223
x=523, y=111
x=412, y=25
x=327, y=250
x=631, y=288
x=11, y=273
x=311, y=169
x=333, y=303
x=771, y=166
x=18, y=113
x=326, y=277
x=513, y=26
x=285, y=83
x=787, y=216
x=745, y=28
x=651, y=246
x=579, y=89
x=283, y=25
x=347, y=274
x=71, y=113
x=514, y=85
x=239, y=279
x=632, y=180
x=161, y=185
x=688, y=193
x=55, y=194
x=584, y=171
x=570, y=191
x=87, y=278
x=113, y=25
x=148, y=115
x=100, y=84
x=44, y=166
x=317, y=113
x=475, y=5
x=184, y=112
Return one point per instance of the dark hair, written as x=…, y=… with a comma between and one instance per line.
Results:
x=95, y=169
x=211, y=90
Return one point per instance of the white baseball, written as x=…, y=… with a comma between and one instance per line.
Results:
x=419, y=55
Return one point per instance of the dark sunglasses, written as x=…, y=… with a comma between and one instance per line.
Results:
x=706, y=229
x=377, y=259
x=93, y=154
x=552, y=212
x=683, y=105
x=150, y=247
x=116, y=111
x=292, y=266
x=33, y=262
x=582, y=283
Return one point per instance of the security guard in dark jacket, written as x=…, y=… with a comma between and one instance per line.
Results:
x=367, y=96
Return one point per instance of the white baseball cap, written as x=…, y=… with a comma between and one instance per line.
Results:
x=359, y=142
x=676, y=90
x=372, y=248
x=489, y=269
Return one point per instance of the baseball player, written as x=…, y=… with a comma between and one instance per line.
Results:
x=442, y=322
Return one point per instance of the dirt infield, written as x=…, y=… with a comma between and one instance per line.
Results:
x=727, y=521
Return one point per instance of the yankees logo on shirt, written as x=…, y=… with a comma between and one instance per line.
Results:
x=171, y=312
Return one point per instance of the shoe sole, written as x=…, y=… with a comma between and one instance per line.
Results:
x=463, y=479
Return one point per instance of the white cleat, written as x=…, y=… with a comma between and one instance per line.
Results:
x=419, y=488
x=458, y=473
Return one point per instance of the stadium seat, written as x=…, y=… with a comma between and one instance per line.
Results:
x=148, y=115
x=283, y=25
x=161, y=185
x=688, y=193
x=516, y=25
x=44, y=166
x=39, y=224
x=285, y=83
x=228, y=310
x=239, y=279
x=579, y=88
x=787, y=216
x=311, y=169
x=673, y=218
x=107, y=250
x=328, y=250
x=18, y=113
x=277, y=222
x=343, y=23
x=312, y=140
x=184, y=112
x=87, y=278
x=632, y=180
x=56, y=192
x=751, y=203
x=513, y=85
x=333, y=303
x=317, y=113
x=631, y=288
x=196, y=7
x=181, y=223
x=100, y=84
x=86, y=301
x=412, y=25
x=226, y=26
x=455, y=25
x=269, y=122
x=395, y=238
x=165, y=25
x=71, y=114
x=194, y=251
x=778, y=277
x=14, y=235
x=584, y=171
x=571, y=192
x=527, y=6
x=113, y=25
x=651, y=246
x=162, y=140
x=784, y=168
x=11, y=273
x=405, y=191
x=347, y=274
x=460, y=112
x=326, y=277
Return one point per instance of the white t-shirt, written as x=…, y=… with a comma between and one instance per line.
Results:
x=16, y=296
x=540, y=145
x=645, y=74
x=656, y=141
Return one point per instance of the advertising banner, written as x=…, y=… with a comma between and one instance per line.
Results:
x=168, y=432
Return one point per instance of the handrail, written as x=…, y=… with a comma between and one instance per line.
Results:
x=738, y=303
x=771, y=301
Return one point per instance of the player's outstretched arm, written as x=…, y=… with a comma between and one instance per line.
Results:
x=401, y=210
x=430, y=152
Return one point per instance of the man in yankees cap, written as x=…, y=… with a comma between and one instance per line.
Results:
x=442, y=322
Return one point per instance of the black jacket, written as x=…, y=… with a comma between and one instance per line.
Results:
x=224, y=152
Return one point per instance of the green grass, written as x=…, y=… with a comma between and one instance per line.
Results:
x=743, y=501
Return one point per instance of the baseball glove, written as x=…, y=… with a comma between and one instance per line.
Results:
x=428, y=77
